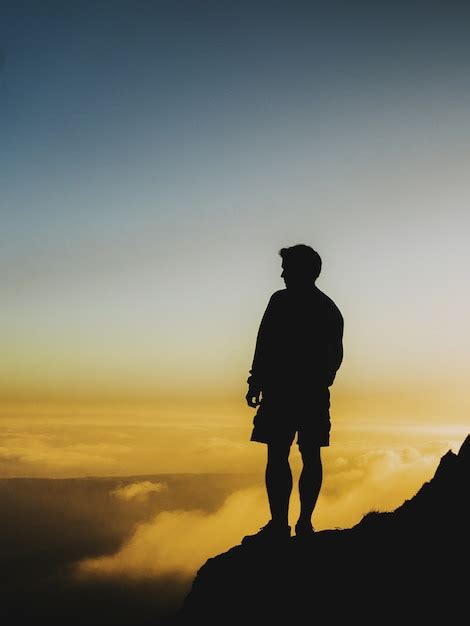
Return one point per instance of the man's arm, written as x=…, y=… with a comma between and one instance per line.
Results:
x=335, y=348
x=256, y=379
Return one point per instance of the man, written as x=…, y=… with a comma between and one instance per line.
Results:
x=298, y=352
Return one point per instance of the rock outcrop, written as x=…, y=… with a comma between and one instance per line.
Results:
x=410, y=565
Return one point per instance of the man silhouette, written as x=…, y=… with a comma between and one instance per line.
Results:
x=298, y=352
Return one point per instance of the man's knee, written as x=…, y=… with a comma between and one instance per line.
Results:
x=311, y=455
x=278, y=452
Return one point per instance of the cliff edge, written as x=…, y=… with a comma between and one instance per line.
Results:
x=412, y=563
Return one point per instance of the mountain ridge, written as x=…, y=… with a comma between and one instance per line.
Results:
x=390, y=565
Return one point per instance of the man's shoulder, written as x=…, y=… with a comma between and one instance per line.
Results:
x=329, y=303
x=278, y=297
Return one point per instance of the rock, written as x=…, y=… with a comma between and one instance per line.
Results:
x=410, y=564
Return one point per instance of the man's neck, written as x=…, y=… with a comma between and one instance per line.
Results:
x=301, y=287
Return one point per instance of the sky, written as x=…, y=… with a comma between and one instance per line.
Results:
x=155, y=156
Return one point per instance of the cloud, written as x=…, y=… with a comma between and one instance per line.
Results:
x=61, y=446
x=379, y=479
x=139, y=491
x=8, y=455
x=62, y=451
x=179, y=542
x=31, y=452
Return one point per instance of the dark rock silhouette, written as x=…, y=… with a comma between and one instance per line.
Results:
x=410, y=564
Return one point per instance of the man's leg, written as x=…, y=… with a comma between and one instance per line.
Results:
x=309, y=483
x=279, y=482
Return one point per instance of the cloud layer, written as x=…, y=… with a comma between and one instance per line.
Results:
x=134, y=544
x=179, y=542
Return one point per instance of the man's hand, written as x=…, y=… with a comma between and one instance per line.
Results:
x=253, y=397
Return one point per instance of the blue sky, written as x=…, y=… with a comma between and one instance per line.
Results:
x=156, y=155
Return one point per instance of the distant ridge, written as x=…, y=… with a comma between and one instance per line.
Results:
x=407, y=566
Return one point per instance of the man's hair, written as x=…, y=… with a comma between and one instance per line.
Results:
x=302, y=259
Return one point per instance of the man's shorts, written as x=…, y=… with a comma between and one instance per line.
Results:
x=279, y=419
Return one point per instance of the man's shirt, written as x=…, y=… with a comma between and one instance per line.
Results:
x=299, y=343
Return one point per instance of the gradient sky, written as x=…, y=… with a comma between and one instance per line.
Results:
x=156, y=155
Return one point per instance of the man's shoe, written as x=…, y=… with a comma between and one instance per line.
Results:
x=304, y=531
x=271, y=533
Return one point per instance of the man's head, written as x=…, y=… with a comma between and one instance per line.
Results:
x=301, y=265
